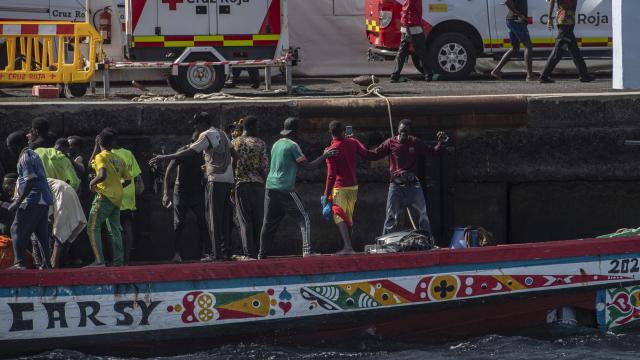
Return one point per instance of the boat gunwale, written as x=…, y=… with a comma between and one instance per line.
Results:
x=296, y=266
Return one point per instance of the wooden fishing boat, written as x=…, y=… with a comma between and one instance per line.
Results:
x=425, y=296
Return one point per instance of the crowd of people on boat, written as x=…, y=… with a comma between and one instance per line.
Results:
x=56, y=196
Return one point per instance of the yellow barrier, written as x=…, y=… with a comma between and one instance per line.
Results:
x=48, y=52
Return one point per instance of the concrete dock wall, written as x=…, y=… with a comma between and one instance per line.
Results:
x=528, y=168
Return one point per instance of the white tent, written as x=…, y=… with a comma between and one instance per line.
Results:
x=332, y=38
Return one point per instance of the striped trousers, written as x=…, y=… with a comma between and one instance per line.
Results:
x=103, y=211
x=277, y=204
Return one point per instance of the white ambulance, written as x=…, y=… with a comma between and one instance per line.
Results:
x=461, y=31
x=189, y=42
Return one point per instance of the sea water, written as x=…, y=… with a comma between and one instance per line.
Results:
x=579, y=347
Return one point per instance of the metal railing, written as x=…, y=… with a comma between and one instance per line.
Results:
x=33, y=52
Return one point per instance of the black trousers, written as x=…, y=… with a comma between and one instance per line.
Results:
x=566, y=38
x=219, y=213
x=419, y=43
x=31, y=219
x=181, y=207
x=250, y=209
x=277, y=204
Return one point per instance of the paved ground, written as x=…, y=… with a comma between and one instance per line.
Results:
x=343, y=86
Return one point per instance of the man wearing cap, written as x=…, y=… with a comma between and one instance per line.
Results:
x=280, y=196
x=218, y=155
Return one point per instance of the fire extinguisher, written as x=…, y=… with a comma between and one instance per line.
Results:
x=104, y=25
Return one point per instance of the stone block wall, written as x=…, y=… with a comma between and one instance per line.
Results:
x=527, y=169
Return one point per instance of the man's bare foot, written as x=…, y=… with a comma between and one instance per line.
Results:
x=497, y=74
x=530, y=78
x=310, y=254
x=346, y=251
x=241, y=258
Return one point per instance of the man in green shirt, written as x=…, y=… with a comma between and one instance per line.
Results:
x=280, y=196
x=129, y=193
x=57, y=164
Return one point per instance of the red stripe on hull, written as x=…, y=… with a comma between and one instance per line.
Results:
x=320, y=264
x=478, y=319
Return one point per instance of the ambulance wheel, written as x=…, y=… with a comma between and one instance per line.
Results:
x=200, y=79
x=74, y=90
x=173, y=83
x=453, y=56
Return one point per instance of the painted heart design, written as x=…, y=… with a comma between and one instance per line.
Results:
x=285, y=306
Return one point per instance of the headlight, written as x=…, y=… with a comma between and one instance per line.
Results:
x=385, y=18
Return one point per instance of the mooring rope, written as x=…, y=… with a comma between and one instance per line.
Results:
x=375, y=89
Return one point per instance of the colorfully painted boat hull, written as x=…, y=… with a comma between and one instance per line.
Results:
x=423, y=296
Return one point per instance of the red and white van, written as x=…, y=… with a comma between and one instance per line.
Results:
x=461, y=31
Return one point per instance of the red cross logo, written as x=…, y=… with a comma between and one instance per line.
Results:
x=172, y=3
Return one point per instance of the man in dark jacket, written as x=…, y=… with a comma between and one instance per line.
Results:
x=412, y=34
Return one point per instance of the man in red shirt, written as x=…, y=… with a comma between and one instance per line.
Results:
x=405, y=191
x=342, y=184
x=412, y=34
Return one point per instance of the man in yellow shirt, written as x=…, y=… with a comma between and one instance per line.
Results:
x=128, y=208
x=108, y=185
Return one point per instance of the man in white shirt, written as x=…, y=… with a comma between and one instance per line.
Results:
x=218, y=158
